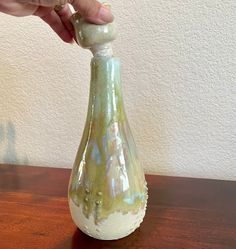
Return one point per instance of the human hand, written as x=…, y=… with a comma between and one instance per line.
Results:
x=59, y=21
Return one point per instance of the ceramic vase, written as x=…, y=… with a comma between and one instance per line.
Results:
x=107, y=189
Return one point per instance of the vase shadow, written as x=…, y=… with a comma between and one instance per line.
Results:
x=10, y=107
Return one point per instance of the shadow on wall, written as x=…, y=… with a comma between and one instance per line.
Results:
x=10, y=80
x=8, y=154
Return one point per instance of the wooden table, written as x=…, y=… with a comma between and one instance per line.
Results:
x=182, y=213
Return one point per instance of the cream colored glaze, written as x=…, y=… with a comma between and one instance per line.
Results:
x=116, y=226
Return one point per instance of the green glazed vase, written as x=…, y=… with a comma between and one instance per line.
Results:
x=107, y=189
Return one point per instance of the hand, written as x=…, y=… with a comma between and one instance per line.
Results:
x=59, y=21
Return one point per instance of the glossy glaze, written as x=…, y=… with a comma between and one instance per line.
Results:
x=107, y=177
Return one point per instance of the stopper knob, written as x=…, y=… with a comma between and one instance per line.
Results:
x=89, y=35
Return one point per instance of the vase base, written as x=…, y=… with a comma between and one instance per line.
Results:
x=116, y=226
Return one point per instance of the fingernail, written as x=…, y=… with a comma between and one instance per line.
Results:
x=105, y=14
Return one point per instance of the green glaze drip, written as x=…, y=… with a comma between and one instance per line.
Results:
x=107, y=176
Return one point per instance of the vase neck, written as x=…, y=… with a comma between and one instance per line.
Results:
x=105, y=101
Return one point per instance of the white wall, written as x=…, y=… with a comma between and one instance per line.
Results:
x=179, y=82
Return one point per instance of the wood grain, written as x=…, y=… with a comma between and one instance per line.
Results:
x=183, y=213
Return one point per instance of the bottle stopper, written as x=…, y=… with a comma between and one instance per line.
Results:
x=95, y=37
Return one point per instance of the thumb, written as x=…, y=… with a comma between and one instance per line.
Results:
x=93, y=11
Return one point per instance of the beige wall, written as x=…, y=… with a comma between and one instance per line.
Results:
x=179, y=82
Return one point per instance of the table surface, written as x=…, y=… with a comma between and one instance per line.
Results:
x=182, y=213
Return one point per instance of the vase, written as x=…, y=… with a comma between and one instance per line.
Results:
x=107, y=189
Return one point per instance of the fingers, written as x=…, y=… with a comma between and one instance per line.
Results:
x=65, y=15
x=46, y=3
x=91, y=10
x=55, y=22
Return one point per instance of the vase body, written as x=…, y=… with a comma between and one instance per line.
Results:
x=107, y=189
